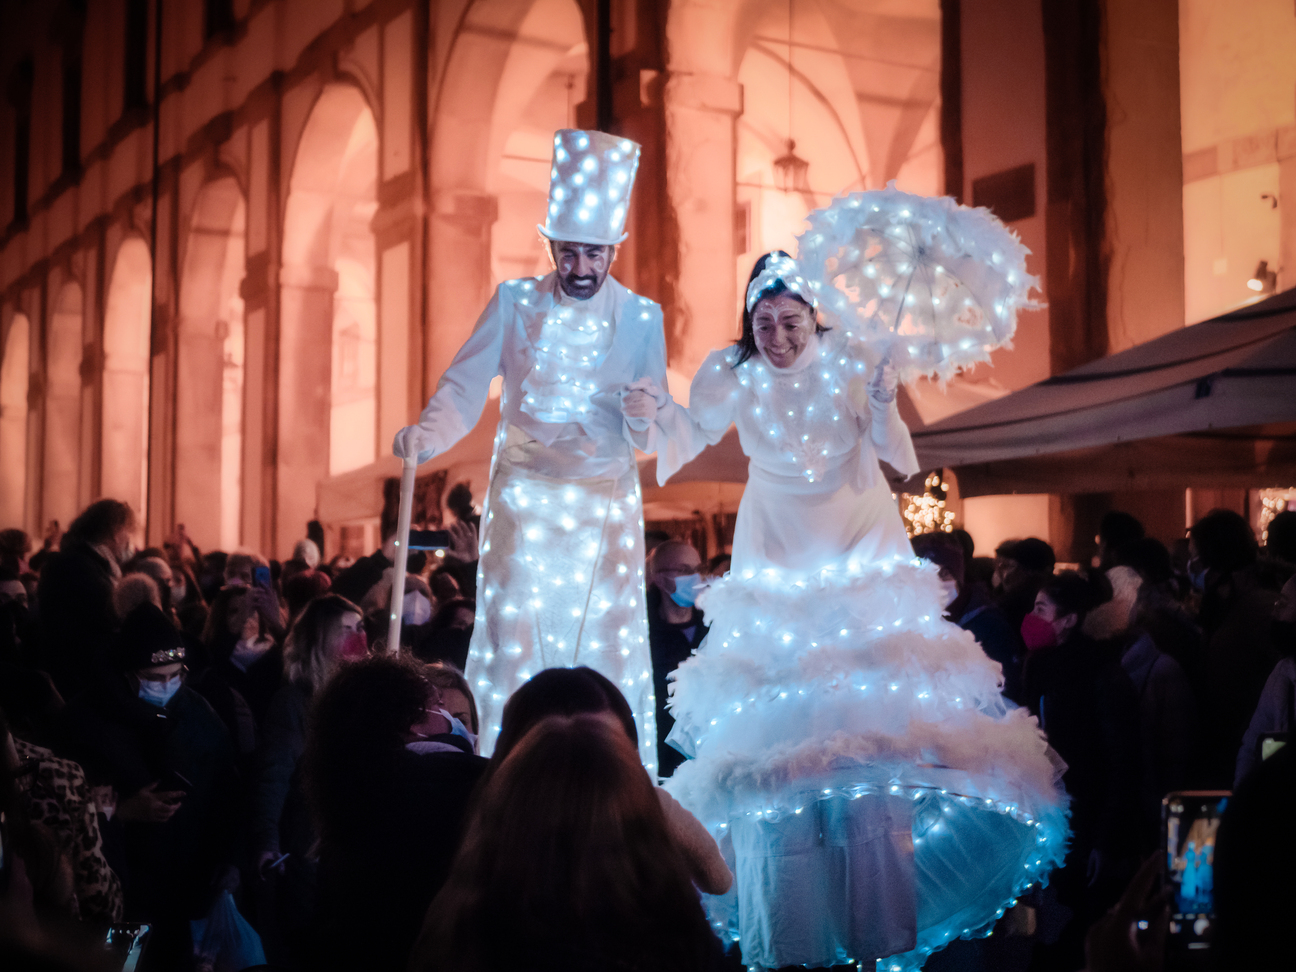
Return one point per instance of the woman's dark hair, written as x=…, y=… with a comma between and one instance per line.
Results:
x=560, y=692
x=358, y=729
x=1149, y=557
x=567, y=864
x=100, y=521
x=1224, y=541
x=746, y=344
x=216, y=634
x=1077, y=593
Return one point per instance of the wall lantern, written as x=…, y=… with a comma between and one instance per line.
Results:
x=1263, y=281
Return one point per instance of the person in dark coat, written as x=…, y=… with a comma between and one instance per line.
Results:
x=246, y=667
x=1236, y=607
x=1088, y=709
x=675, y=629
x=1021, y=568
x=167, y=755
x=971, y=608
x=390, y=813
x=75, y=594
x=1168, y=712
x=329, y=632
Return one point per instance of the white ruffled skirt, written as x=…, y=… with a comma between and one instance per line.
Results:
x=874, y=794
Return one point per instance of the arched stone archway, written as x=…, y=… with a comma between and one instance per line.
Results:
x=209, y=393
x=328, y=315
x=127, y=321
x=865, y=86
x=516, y=73
x=63, y=344
x=14, y=370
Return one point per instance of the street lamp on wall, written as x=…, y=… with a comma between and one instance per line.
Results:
x=1263, y=281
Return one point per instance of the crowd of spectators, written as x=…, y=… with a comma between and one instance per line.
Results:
x=184, y=731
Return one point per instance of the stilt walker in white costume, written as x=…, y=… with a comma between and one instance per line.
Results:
x=560, y=578
x=873, y=793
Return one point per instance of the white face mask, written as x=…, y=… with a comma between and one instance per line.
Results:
x=159, y=693
x=177, y=593
x=951, y=590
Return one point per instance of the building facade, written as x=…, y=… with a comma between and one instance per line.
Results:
x=243, y=238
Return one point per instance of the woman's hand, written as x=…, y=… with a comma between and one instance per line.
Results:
x=641, y=399
x=882, y=389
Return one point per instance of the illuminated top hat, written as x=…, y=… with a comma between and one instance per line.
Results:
x=589, y=187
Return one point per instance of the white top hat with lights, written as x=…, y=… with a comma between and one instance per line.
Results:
x=589, y=187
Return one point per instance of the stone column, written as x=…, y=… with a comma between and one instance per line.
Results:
x=305, y=385
x=459, y=272
x=700, y=111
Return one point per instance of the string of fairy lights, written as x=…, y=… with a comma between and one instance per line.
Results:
x=929, y=511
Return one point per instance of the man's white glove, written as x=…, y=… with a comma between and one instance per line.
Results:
x=640, y=401
x=414, y=440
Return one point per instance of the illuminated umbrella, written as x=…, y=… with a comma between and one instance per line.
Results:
x=932, y=285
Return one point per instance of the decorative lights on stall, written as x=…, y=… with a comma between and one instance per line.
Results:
x=1273, y=502
x=928, y=513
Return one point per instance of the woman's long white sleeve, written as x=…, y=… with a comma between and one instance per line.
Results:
x=681, y=433
x=462, y=391
x=891, y=438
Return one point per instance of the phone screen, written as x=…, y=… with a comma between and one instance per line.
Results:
x=429, y=539
x=261, y=576
x=1190, y=822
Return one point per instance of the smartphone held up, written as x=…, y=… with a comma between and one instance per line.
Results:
x=1190, y=822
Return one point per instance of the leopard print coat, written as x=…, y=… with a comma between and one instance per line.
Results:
x=60, y=799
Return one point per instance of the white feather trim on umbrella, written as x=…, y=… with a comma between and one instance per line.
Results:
x=932, y=285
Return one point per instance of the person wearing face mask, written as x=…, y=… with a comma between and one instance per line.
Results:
x=1088, y=708
x=327, y=635
x=1276, y=710
x=167, y=755
x=75, y=593
x=675, y=629
x=828, y=671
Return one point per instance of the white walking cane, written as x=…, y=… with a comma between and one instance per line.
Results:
x=402, y=552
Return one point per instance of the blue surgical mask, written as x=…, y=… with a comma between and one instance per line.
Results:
x=159, y=693
x=457, y=728
x=687, y=588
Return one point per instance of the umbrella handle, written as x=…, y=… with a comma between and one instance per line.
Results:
x=406, y=508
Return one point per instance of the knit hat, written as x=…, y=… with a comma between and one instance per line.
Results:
x=147, y=637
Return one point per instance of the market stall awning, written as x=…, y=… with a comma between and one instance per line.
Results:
x=1209, y=404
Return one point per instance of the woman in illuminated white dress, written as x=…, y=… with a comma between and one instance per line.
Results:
x=850, y=749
